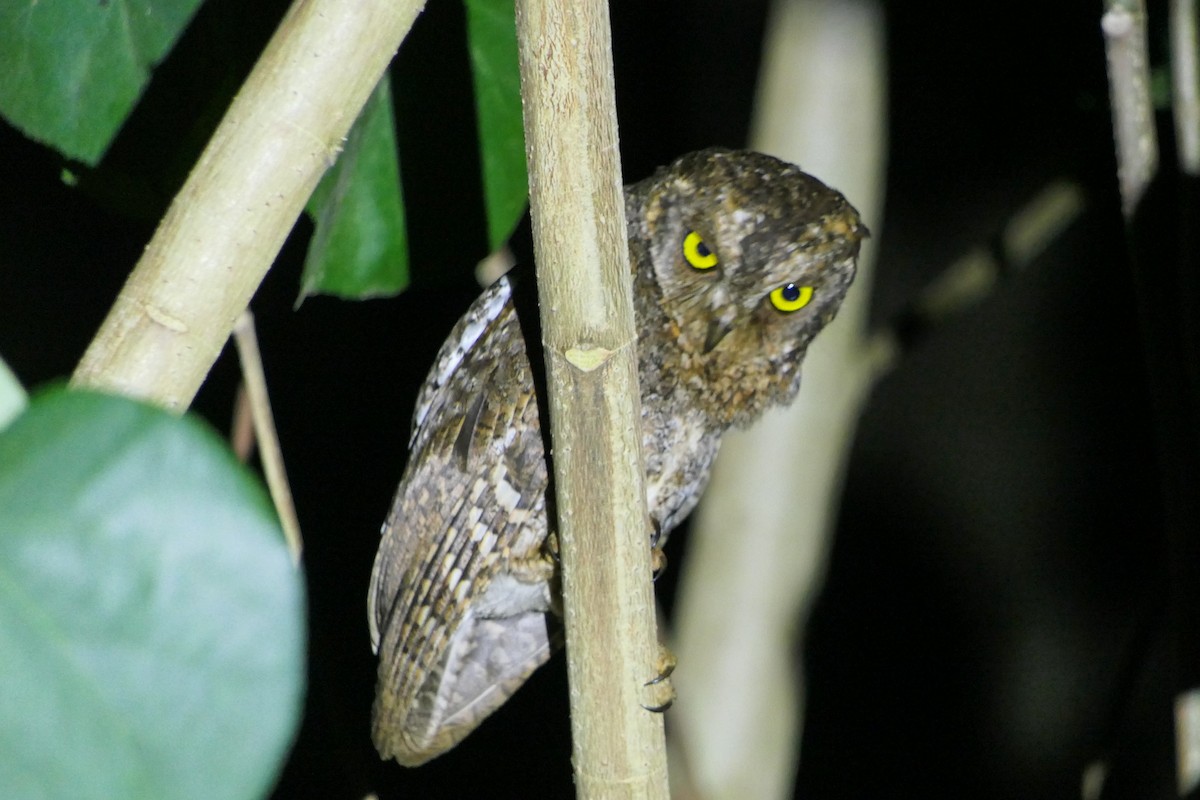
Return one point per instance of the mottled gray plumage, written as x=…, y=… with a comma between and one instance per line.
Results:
x=739, y=260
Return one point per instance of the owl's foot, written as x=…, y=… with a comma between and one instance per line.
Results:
x=550, y=547
x=536, y=568
x=661, y=690
x=658, y=562
x=658, y=559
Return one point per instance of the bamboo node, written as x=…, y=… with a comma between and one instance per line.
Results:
x=588, y=358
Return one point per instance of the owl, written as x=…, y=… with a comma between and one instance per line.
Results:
x=738, y=261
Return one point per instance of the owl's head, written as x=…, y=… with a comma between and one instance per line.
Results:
x=751, y=258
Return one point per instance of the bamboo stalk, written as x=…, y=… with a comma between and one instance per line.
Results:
x=228, y=222
x=586, y=299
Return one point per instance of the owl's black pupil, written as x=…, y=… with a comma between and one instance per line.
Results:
x=702, y=250
x=791, y=292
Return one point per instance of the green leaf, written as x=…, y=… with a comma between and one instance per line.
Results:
x=360, y=246
x=12, y=396
x=151, y=621
x=492, y=35
x=72, y=70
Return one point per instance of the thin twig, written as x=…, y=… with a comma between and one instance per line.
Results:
x=241, y=430
x=269, y=452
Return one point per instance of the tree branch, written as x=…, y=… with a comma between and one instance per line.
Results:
x=226, y=225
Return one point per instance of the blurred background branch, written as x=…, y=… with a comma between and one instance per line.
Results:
x=761, y=534
x=1124, y=25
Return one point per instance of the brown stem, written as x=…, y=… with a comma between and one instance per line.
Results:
x=255, y=381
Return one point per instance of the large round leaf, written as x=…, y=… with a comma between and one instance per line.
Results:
x=151, y=621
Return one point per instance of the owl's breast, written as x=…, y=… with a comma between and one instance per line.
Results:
x=679, y=446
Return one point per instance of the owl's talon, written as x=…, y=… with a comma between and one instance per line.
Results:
x=551, y=547
x=662, y=693
x=658, y=563
x=664, y=665
x=660, y=708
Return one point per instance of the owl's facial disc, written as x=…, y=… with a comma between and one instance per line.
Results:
x=749, y=256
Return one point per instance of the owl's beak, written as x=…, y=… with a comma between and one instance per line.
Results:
x=717, y=330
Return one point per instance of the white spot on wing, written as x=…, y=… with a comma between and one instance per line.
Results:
x=508, y=497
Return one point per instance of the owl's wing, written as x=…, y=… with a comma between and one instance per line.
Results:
x=459, y=594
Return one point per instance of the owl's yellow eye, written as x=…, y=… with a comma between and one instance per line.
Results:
x=790, y=297
x=696, y=252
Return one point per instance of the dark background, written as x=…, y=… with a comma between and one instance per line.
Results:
x=996, y=614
